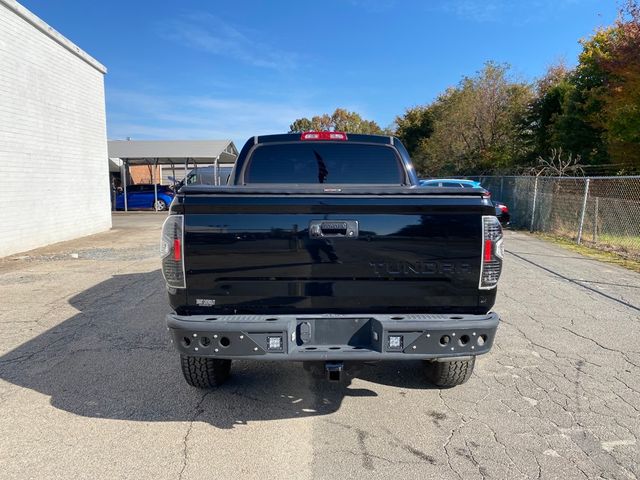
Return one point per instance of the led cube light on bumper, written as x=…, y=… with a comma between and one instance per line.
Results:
x=395, y=342
x=274, y=343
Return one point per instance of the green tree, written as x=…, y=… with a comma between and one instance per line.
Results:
x=536, y=126
x=414, y=127
x=475, y=124
x=561, y=116
x=340, y=120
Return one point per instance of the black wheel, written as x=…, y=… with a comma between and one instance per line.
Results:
x=160, y=205
x=450, y=374
x=202, y=372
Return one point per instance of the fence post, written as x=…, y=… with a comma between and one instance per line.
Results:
x=584, y=208
x=502, y=189
x=533, y=209
x=595, y=222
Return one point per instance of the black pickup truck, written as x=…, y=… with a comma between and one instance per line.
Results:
x=324, y=249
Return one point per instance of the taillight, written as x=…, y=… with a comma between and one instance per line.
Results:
x=503, y=208
x=492, y=252
x=177, y=250
x=488, y=250
x=172, y=251
x=323, y=136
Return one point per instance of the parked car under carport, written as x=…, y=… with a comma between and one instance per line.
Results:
x=142, y=197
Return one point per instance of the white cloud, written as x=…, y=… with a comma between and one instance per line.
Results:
x=480, y=11
x=213, y=35
x=374, y=6
x=155, y=116
x=515, y=11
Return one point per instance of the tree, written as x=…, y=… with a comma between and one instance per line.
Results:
x=414, y=126
x=340, y=120
x=561, y=117
x=557, y=165
x=474, y=129
x=619, y=59
x=592, y=111
x=537, y=125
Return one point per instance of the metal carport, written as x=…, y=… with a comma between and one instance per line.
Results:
x=170, y=152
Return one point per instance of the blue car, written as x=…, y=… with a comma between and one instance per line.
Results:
x=450, y=183
x=141, y=197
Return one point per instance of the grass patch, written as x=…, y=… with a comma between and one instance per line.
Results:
x=623, y=241
x=592, y=252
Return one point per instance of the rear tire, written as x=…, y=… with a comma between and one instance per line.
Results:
x=203, y=372
x=450, y=374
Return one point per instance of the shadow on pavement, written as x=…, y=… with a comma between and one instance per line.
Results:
x=113, y=360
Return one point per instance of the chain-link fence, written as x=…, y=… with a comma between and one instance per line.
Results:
x=599, y=211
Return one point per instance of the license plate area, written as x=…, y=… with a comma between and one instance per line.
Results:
x=355, y=332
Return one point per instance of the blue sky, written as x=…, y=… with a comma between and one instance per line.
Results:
x=232, y=69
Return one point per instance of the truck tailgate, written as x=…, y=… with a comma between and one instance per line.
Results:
x=406, y=253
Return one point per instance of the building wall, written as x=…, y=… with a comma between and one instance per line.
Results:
x=144, y=174
x=53, y=147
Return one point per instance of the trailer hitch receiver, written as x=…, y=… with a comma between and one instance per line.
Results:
x=334, y=371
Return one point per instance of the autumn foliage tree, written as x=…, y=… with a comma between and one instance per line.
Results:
x=619, y=59
x=593, y=110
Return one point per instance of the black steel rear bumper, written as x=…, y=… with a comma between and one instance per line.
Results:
x=333, y=337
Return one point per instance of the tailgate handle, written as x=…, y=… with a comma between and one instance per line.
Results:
x=333, y=228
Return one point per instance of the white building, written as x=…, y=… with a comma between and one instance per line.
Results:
x=54, y=179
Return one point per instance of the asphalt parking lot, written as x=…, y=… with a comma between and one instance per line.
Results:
x=90, y=386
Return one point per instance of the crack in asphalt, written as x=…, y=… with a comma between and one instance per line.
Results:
x=481, y=470
x=367, y=461
x=185, y=439
x=29, y=355
x=623, y=354
x=574, y=282
x=371, y=456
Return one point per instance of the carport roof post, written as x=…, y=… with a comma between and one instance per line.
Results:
x=167, y=152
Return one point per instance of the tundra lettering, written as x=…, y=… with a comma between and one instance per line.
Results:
x=419, y=268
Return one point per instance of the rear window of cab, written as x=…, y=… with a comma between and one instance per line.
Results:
x=324, y=163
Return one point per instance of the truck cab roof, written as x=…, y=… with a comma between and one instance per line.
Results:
x=349, y=137
x=368, y=159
